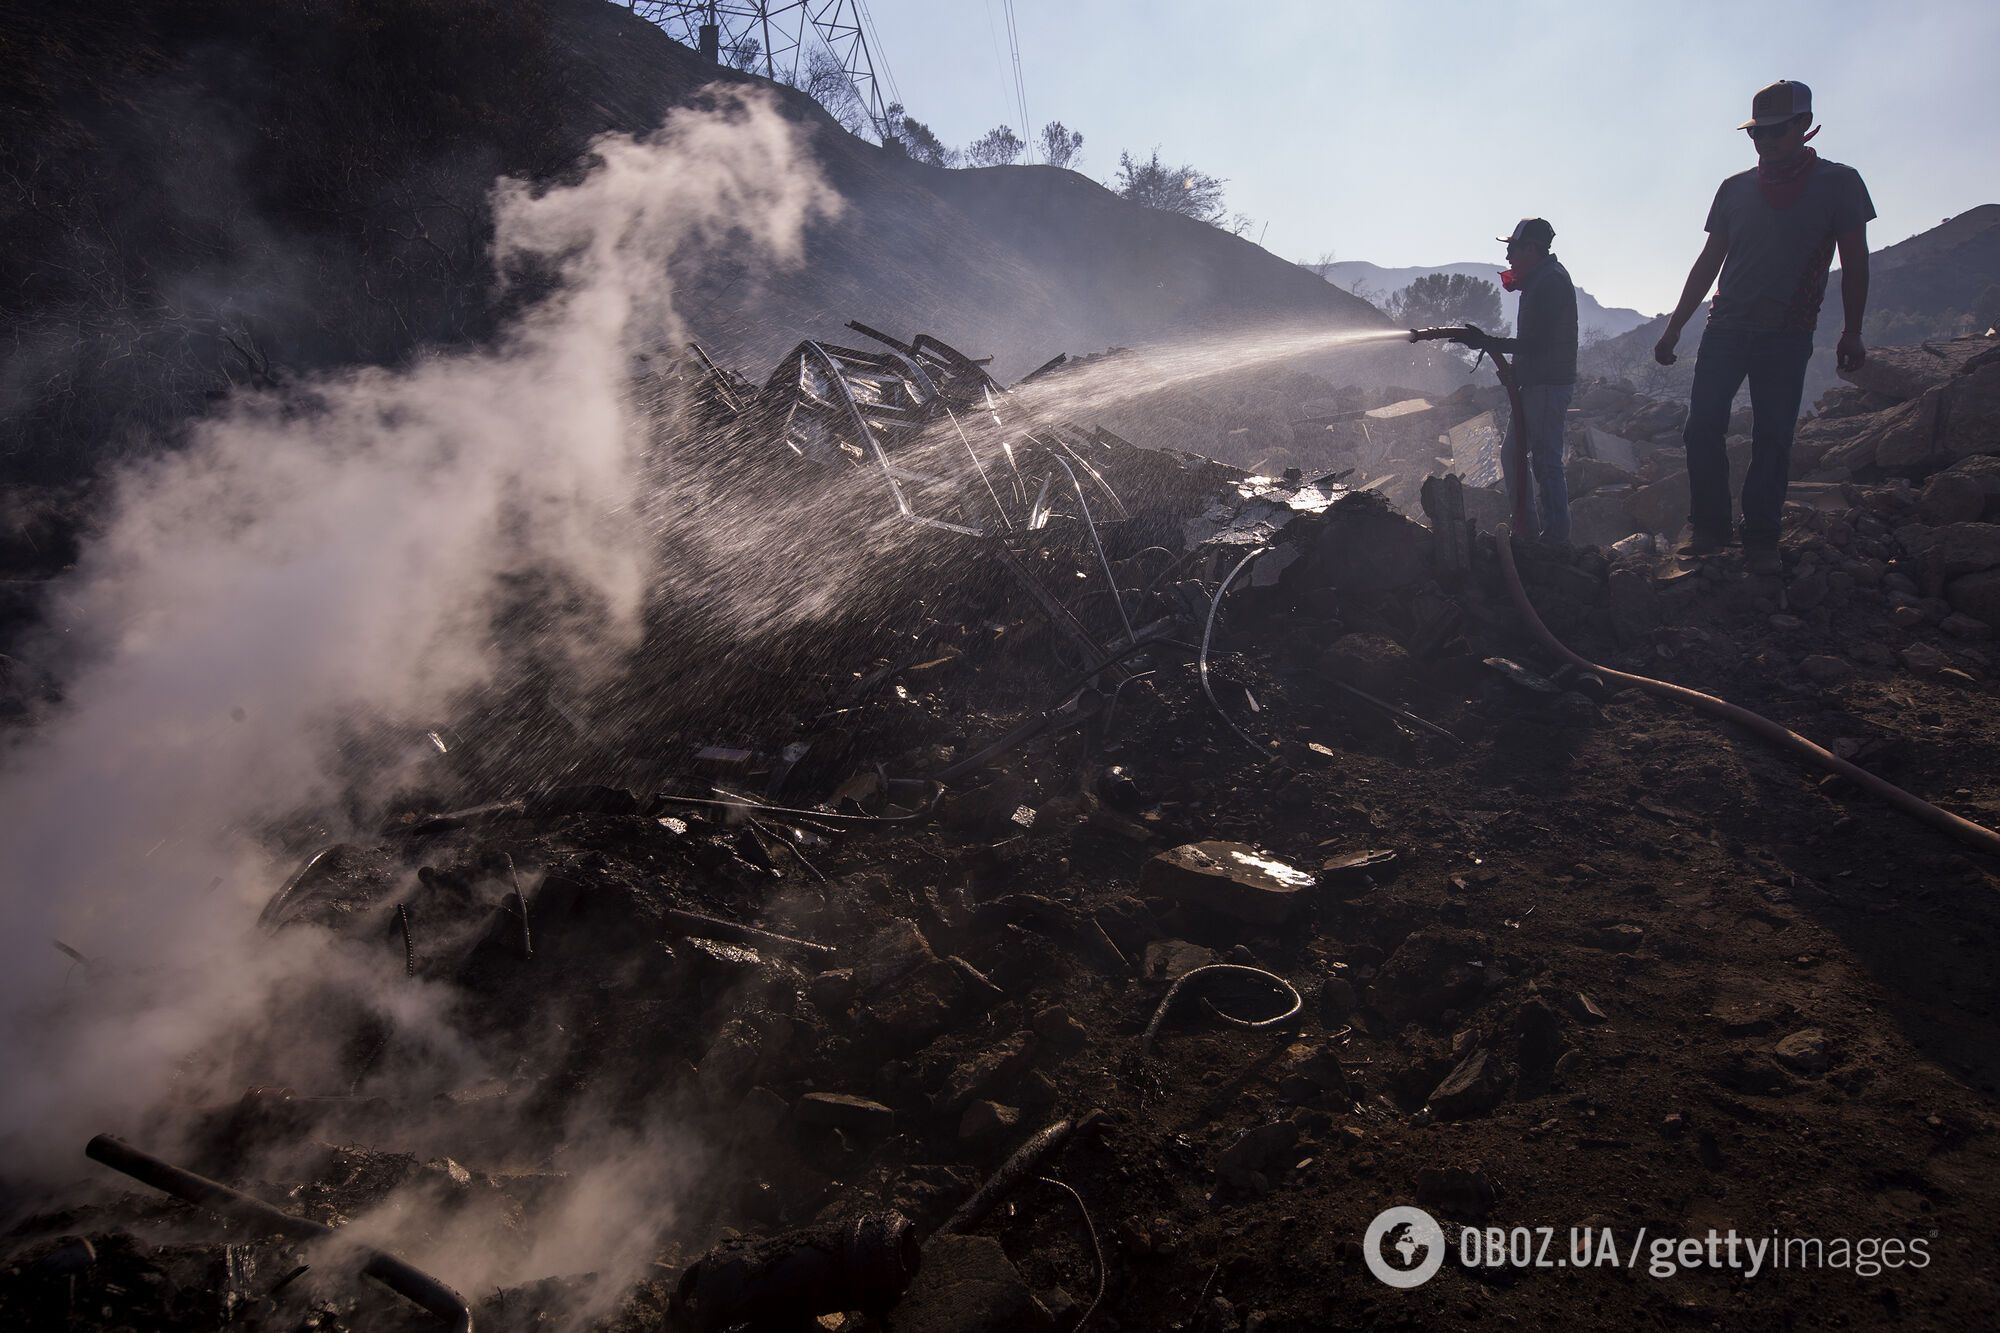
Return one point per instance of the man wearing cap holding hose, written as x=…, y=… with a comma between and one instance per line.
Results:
x=1772, y=233
x=1544, y=355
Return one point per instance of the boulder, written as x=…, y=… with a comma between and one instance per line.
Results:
x=1908, y=372
x=1806, y=1051
x=1369, y=546
x=1905, y=437
x=1600, y=519
x=1228, y=877
x=1959, y=548
x=1976, y=595
x=1615, y=450
x=1662, y=506
x=1256, y=1153
x=1970, y=420
x=1459, y=1193
x=1367, y=661
x=1585, y=475
x=1984, y=469
x=1662, y=416
x=1473, y=1088
x=967, y=1284
x=1953, y=497
x=1827, y=670
x=1165, y=960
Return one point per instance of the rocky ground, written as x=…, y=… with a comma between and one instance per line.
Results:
x=1589, y=960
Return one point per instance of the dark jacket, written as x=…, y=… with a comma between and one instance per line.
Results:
x=1544, y=349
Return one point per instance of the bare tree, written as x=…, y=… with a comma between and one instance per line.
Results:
x=1061, y=146
x=998, y=147
x=826, y=82
x=1174, y=189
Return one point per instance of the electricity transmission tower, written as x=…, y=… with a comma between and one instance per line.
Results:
x=822, y=47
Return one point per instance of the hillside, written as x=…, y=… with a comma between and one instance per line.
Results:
x=1937, y=284
x=1593, y=317
x=215, y=194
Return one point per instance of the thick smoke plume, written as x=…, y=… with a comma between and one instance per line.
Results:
x=323, y=563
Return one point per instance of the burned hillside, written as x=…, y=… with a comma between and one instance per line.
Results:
x=210, y=199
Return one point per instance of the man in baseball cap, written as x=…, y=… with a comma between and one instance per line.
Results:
x=1772, y=232
x=1544, y=353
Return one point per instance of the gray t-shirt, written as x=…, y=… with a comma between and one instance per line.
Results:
x=1774, y=276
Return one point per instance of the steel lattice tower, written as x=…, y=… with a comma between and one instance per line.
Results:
x=820, y=46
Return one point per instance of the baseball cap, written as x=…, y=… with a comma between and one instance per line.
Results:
x=1777, y=103
x=1531, y=230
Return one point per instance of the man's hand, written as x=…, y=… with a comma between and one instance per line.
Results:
x=1849, y=354
x=1663, y=350
x=1473, y=337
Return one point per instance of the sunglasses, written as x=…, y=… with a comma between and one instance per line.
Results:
x=1769, y=131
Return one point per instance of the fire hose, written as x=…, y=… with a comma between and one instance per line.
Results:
x=411, y=1283
x=1516, y=444
x=1973, y=835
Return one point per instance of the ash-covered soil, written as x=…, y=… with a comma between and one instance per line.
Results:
x=1628, y=969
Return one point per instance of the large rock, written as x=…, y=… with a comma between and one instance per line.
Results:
x=967, y=1284
x=1907, y=372
x=1473, y=1088
x=1230, y=878
x=1585, y=475
x=1601, y=519
x=1370, y=547
x=1959, y=548
x=1957, y=419
x=1662, y=506
x=1662, y=416
x=1634, y=604
x=1976, y=595
x=1371, y=662
x=1953, y=497
x=1982, y=468
x=1904, y=437
x=1971, y=416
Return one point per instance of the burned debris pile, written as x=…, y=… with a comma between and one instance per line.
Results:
x=1162, y=869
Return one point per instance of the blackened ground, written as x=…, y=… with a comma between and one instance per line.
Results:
x=1787, y=1029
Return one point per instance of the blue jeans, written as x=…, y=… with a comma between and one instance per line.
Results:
x=1775, y=365
x=1546, y=406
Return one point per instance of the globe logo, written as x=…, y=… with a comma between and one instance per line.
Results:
x=1404, y=1246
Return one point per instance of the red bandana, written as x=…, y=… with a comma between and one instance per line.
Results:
x=1783, y=182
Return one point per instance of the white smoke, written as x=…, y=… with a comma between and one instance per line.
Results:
x=326, y=559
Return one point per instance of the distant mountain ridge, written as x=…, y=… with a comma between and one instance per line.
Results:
x=1359, y=276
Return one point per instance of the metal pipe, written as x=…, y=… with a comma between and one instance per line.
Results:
x=269, y=916
x=407, y=1281
x=1973, y=835
x=1103, y=561
x=1208, y=633
x=820, y=816
x=715, y=928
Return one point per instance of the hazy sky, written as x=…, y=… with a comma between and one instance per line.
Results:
x=1414, y=133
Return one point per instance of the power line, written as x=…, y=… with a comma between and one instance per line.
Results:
x=1020, y=88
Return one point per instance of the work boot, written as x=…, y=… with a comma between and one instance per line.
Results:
x=1763, y=560
x=1701, y=543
